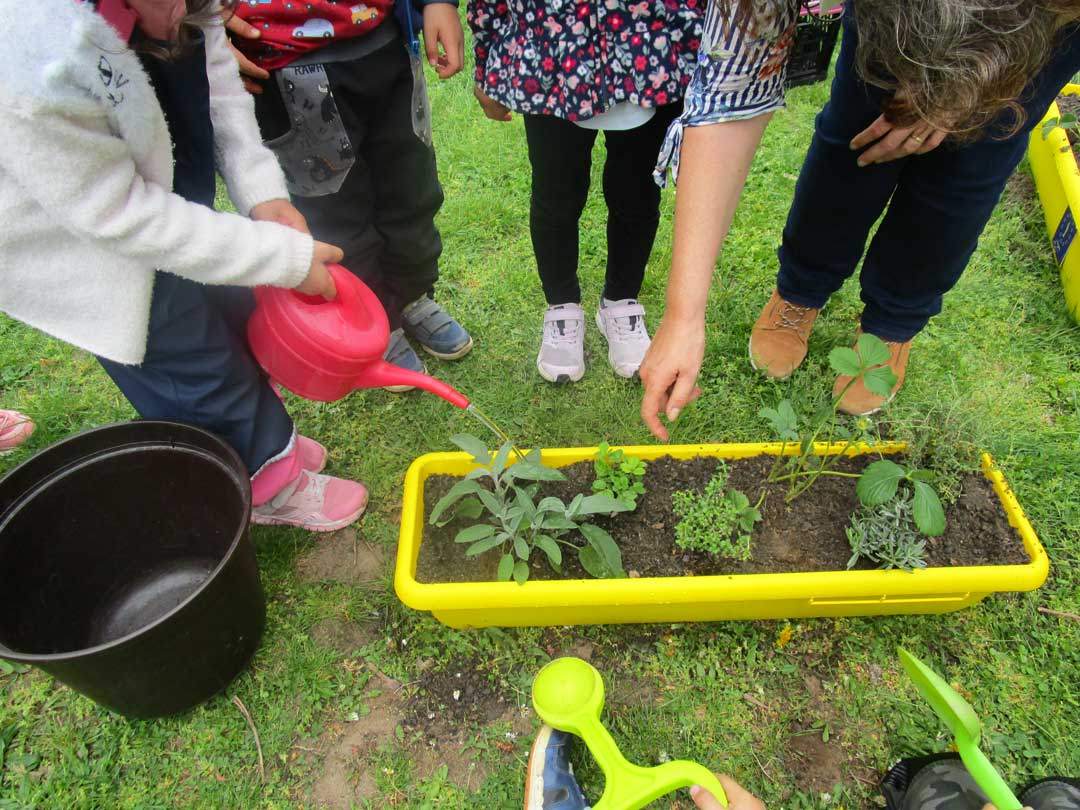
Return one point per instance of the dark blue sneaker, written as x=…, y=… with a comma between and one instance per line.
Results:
x=550, y=782
x=435, y=330
x=399, y=353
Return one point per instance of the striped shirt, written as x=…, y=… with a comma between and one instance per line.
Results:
x=740, y=74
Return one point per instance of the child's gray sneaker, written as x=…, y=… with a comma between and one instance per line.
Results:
x=562, y=351
x=622, y=323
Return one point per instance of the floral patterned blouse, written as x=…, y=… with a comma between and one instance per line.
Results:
x=575, y=59
x=740, y=74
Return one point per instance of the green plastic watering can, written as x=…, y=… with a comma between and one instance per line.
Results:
x=957, y=714
x=568, y=695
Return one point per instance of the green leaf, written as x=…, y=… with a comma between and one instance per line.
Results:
x=878, y=482
x=521, y=572
x=521, y=547
x=498, y=464
x=506, y=568
x=845, y=361
x=921, y=475
x=592, y=563
x=524, y=500
x=474, y=533
x=1049, y=125
x=880, y=381
x=534, y=472
x=575, y=505
x=601, y=505
x=474, y=447
x=550, y=504
x=479, y=472
x=561, y=522
x=456, y=493
x=872, y=350
x=483, y=545
x=493, y=504
x=551, y=549
x=467, y=510
x=927, y=510
x=784, y=421
x=605, y=546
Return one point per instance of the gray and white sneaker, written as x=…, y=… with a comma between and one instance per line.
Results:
x=562, y=352
x=622, y=323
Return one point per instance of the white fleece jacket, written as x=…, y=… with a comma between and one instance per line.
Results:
x=87, y=211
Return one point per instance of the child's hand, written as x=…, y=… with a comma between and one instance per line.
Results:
x=442, y=27
x=282, y=212
x=248, y=69
x=319, y=281
x=493, y=109
x=738, y=797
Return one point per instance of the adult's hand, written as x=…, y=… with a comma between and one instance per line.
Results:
x=892, y=142
x=669, y=371
x=282, y=212
x=319, y=281
x=738, y=797
x=249, y=71
x=495, y=110
x=442, y=30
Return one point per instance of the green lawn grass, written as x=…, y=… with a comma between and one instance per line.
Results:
x=805, y=724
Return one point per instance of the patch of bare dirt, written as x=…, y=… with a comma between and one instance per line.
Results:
x=438, y=715
x=342, y=557
x=342, y=635
x=817, y=751
x=347, y=752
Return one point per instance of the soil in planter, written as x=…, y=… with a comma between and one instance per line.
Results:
x=805, y=535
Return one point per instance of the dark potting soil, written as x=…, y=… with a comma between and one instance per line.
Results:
x=805, y=535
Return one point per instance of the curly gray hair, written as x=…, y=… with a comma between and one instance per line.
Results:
x=956, y=64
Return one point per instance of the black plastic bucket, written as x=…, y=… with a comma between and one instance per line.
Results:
x=125, y=566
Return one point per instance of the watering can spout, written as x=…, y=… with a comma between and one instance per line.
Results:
x=383, y=374
x=322, y=350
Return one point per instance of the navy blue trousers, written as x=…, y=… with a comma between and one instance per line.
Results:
x=936, y=205
x=198, y=368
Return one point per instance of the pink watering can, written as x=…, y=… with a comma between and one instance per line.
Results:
x=324, y=350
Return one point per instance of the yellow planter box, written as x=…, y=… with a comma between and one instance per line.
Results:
x=1058, y=181
x=705, y=598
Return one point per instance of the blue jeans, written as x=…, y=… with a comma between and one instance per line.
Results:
x=198, y=368
x=936, y=205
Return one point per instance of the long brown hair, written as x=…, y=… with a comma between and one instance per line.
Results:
x=199, y=12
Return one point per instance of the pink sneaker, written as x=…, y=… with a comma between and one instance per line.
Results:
x=312, y=454
x=317, y=503
x=15, y=428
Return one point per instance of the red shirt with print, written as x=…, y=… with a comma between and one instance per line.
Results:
x=292, y=28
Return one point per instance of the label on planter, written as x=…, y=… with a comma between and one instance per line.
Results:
x=1064, y=235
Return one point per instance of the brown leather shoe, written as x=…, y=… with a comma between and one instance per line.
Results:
x=778, y=339
x=858, y=401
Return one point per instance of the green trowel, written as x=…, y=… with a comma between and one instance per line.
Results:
x=568, y=695
x=957, y=714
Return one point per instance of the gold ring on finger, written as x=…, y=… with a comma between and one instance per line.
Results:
x=916, y=138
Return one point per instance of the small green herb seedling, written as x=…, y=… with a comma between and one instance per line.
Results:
x=618, y=475
x=1067, y=121
x=510, y=518
x=879, y=481
x=886, y=534
x=718, y=521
